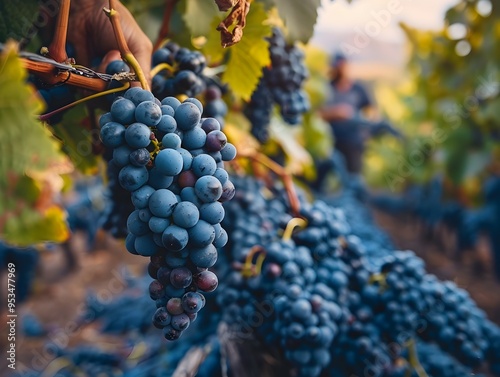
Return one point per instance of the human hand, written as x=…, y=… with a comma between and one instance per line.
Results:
x=92, y=35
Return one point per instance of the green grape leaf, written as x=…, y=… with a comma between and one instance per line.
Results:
x=250, y=55
x=198, y=16
x=212, y=49
x=299, y=17
x=79, y=139
x=30, y=161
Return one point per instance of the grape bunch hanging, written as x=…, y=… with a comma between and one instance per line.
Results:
x=281, y=83
x=172, y=162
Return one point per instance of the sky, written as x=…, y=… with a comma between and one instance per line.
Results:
x=378, y=18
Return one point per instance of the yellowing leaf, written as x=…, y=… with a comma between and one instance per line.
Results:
x=30, y=227
x=250, y=55
x=298, y=158
x=236, y=130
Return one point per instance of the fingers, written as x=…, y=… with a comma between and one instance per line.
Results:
x=142, y=48
x=108, y=58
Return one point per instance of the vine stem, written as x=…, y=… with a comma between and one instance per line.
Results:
x=413, y=359
x=296, y=222
x=46, y=116
x=57, y=48
x=285, y=176
x=165, y=25
x=249, y=269
x=160, y=67
x=125, y=52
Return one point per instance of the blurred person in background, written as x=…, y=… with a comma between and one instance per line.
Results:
x=346, y=109
x=353, y=118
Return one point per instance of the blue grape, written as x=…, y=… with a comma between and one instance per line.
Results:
x=158, y=224
x=188, y=194
x=139, y=157
x=212, y=213
x=201, y=235
x=216, y=140
x=228, y=152
x=194, y=139
x=167, y=124
x=138, y=135
x=148, y=113
x=161, y=318
x=145, y=245
x=196, y=102
x=171, y=101
x=221, y=175
x=185, y=214
x=132, y=177
x=221, y=236
x=145, y=214
x=105, y=118
x=228, y=191
x=135, y=225
x=141, y=95
x=140, y=197
x=162, y=203
x=130, y=92
x=156, y=290
x=159, y=180
x=180, y=322
x=210, y=124
x=121, y=155
x=187, y=158
x=175, y=238
x=204, y=257
x=187, y=116
x=181, y=277
x=203, y=165
x=169, y=162
x=172, y=141
x=123, y=111
x=208, y=188
x=192, y=302
x=117, y=66
x=130, y=244
x=167, y=110
x=170, y=333
x=113, y=134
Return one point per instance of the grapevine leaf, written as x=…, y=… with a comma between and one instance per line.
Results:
x=31, y=227
x=78, y=139
x=250, y=55
x=212, y=49
x=299, y=17
x=30, y=161
x=199, y=15
x=298, y=158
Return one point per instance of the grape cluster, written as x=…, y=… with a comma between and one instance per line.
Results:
x=177, y=188
x=281, y=83
x=367, y=299
x=185, y=74
x=316, y=307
